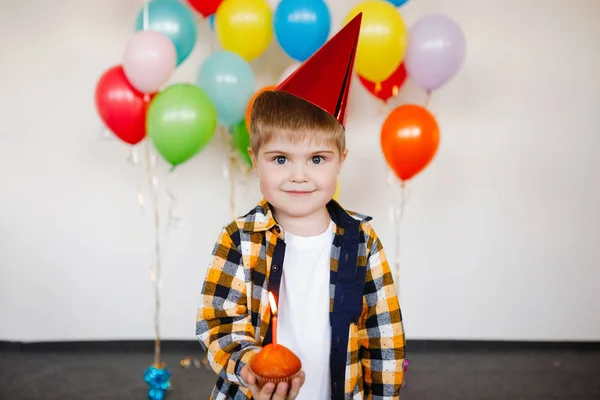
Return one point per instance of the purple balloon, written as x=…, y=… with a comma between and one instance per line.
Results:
x=435, y=52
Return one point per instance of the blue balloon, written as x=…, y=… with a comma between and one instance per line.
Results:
x=398, y=3
x=301, y=27
x=211, y=21
x=174, y=20
x=229, y=81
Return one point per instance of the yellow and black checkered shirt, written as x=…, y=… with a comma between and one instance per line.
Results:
x=233, y=321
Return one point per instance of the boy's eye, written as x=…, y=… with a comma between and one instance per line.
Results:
x=280, y=160
x=317, y=159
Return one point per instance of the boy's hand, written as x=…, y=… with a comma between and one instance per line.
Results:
x=268, y=391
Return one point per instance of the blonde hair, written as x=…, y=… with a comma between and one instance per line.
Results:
x=280, y=114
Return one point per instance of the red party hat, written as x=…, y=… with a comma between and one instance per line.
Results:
x=324, y=79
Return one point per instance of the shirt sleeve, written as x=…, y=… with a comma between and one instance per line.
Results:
x=381, y=332
x=223, y=325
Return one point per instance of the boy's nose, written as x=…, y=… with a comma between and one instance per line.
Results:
x=299, y=175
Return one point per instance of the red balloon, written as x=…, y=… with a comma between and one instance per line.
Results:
x=409, y=139
x=388, y=88
x=121, y=107
x=205, y=7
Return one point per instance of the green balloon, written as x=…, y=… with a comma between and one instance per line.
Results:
x=241, y=140
x=181, y=121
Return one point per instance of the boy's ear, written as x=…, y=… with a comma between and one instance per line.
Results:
x=344, y=155
x=252, y=157
x=343, y=158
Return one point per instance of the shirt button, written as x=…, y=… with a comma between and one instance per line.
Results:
x=275, y=268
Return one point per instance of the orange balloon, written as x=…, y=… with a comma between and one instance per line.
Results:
x=409, y=139
x=251, y=102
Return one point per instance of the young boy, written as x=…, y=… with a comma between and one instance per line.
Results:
x=337, y=305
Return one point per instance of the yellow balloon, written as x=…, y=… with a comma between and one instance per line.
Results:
x=244, y=27
x=336, y=195
x=382, y=42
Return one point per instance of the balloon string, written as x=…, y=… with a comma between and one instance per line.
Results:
x=213, y=41
x=384, y=108
x=212, y=45
x=232, y=188
x=134, y=160
x=223, y=135
x=427, y=99
x=173, y=219
x=155, y=266
x=228, y=172
x=231, y=165
x=400, y=196
x=106, y=135
x=230, y=169
x=146, y=15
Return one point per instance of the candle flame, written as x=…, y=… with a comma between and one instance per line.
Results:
x=272, y=303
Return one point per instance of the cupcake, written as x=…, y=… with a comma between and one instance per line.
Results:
x=275, y=363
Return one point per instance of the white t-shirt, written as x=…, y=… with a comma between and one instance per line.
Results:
x=303, y=324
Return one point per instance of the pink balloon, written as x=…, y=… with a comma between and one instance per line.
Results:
x=435, y=52
x=149, y=60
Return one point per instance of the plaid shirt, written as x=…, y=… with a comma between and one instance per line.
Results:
x=233, y=319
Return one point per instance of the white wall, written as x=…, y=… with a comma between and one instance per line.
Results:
x=500, y=237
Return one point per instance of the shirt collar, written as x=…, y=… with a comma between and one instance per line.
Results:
x=261, y=217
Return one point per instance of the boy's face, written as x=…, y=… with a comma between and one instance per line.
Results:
x=298, y=179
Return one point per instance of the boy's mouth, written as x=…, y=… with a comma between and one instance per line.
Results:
x=299, y=192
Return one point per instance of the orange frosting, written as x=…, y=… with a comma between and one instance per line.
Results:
x=275, y=361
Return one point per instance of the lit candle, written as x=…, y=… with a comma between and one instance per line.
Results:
x=274, y=314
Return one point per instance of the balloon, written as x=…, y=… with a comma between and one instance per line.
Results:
x=211, y=21
x=409, y=140
x=288, y=71
x=244, y=27
x=149, y=61
x=398, y=3
x=382, y=42
x=174, y=20
x=205, y=7
x=181, y=122
x=388, y=88
x=229, y=82
x=241, y=140
x=251, y=103
x=301, y=27
x=120, y=106
x=436, y=51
